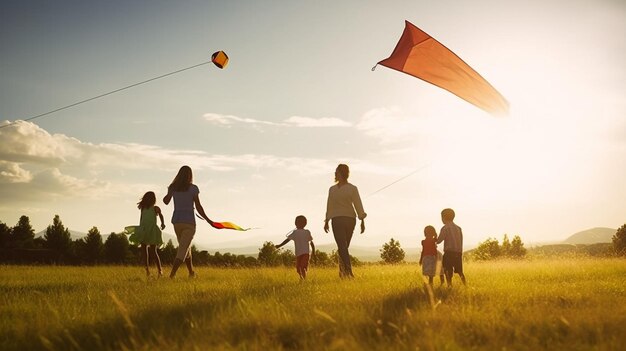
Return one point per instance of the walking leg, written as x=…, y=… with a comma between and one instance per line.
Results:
x=145, y=258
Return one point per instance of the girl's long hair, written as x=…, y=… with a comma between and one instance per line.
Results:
x=183, y=179
x=147, y=200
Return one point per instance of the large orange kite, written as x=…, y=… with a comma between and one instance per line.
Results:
x=422, y=56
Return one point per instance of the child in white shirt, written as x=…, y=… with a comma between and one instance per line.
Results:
x=301, y=238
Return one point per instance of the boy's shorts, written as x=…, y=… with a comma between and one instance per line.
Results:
x=453, y=262
x=302, y=262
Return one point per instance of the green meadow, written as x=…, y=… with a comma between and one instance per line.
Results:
x=541, y=304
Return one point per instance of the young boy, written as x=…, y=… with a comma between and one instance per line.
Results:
x=430, y=256
x=452, y=238
x=301, y=238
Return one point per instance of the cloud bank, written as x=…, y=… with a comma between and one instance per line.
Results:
x=36, y=164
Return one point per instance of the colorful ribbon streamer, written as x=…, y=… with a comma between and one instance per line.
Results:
x=225, y=225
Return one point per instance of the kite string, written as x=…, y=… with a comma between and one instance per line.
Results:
x=400, y=179
x=105, y=94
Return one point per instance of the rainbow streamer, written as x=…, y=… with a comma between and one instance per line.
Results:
x=225, y=225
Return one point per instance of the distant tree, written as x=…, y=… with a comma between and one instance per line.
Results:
x=517, y=248
x=269, y=255
x=322, y=259
x=287, y=258
x=353, y=261
x=22, y=235
x=168, y=253
x=194, y=251
x=392, y=253
x=217, y=259
x=90, y=250
x=250, y=261
x=334, y=257
x=505, y=248
x=202, y=258
x=229, y=260
x=619, y=241
x=240, y=261
x=116, y=248
x=39, y=243
x=488, y=250
x=58, y=237
x=5, y=235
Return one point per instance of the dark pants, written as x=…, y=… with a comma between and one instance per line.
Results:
x=343, y=228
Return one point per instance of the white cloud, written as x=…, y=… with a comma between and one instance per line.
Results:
x=52, y=184
x=11, y=172
x=35, y=164
x=30, y=172
x=308, y=122
x=54, y=179
x=227, y=120
x=25, y=141
x=293, y=121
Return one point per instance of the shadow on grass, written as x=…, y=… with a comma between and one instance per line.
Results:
x=174, y=325
x=396, y=308
x=396, y=304
x=386, y=319
x=132, y=331
x=46, y=288
x=138, y=330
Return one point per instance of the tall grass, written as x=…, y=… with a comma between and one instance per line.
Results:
x=525, y=305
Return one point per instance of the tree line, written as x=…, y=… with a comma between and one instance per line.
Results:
x=491, y=249
x=18, y=244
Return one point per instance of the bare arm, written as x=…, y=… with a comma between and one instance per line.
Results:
x=440, y=237
x=327, y=213
x=160, y=214
x=312, y=249
x=168, y=197
x=200, y=209
x=283, y=243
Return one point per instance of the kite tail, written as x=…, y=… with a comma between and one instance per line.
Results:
x=225, y=225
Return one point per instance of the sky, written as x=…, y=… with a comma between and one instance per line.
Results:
x=264, y=135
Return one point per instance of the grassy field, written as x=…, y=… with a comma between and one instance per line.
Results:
x=528, y=305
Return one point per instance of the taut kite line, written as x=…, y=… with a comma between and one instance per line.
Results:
x=422, y=56
x=219, y=59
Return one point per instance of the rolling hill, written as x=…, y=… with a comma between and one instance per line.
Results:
x=592, y=236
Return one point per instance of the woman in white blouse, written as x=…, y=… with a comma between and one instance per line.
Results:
x=343, y=200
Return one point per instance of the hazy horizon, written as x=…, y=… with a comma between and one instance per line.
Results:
x=239, y=246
